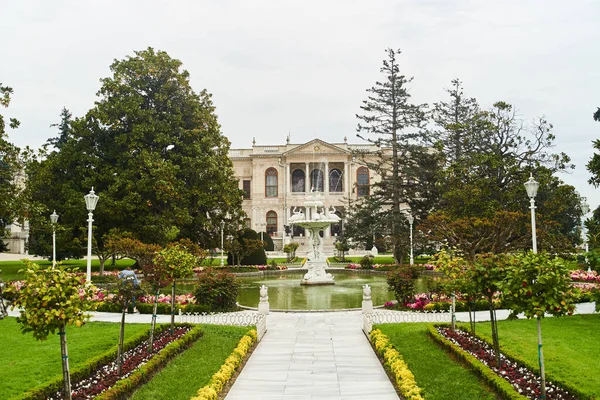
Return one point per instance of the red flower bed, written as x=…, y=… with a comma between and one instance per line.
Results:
x=522, y=379
x=106, y=376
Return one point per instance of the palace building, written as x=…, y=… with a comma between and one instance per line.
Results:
x=276, y=179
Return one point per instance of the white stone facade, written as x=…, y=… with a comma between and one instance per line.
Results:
x=277, y=178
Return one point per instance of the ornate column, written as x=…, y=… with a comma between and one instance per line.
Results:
x=326, y=178
x=307, y=178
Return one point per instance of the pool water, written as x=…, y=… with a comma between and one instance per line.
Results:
x=286, y=293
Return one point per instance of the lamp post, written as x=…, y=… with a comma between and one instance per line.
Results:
x=54, y=220
x=91, y=199
x=584, y=210
x=222, y=228
x=532, y=187
x=411, y=219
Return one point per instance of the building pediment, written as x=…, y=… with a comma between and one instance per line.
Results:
x=316, y=147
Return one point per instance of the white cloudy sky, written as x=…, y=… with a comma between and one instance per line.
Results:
x=275, y=67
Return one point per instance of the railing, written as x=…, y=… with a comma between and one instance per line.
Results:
x=392, y=317
x=243, y=318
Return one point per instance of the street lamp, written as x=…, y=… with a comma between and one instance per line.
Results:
x=584, y=210
x=54, y=220
x=222, y=230
x=91, y=200
x=532, y=187
x=411, y=219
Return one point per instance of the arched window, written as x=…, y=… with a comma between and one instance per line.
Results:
x=335, y=180
x=271, y=222
x=271, y=183
x=316, y=180
x=298, y=181
x=362, y=182
x=247, y=223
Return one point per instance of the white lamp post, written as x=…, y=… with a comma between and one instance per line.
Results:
x=411, y=219
x=584, y=210
x=54, y=220
x=91, y=200
x=532, y=187
x=222, y=228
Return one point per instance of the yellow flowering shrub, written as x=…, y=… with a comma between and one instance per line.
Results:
x=395, y=363
x=223, y=375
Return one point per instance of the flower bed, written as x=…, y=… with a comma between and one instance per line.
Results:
x=393, y=361
x=221, y=378
x=522, y=379
x=584, y=276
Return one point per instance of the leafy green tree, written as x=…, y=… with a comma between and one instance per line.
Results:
x=128, y=288
x=153, y=150
x=536, y=285
x=9, y=169
x=405, y=166
x=178, y=263
x=50, y=300
x=487, y=273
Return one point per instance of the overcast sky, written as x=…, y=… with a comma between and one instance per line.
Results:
x=302, y=67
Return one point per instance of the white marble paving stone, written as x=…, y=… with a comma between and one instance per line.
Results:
x=323, y=356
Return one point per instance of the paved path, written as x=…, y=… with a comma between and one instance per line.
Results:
x=309, y=356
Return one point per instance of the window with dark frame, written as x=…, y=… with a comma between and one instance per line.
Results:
x=362, y=182
x=246, y=188
x=271, y=222
x=271, y=182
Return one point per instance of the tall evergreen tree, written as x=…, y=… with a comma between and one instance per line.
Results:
x=405, y=165
x=63, y=129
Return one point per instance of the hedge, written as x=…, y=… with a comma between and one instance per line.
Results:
x=500, y=385
x=85, y=370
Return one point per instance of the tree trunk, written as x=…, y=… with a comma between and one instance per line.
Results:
x=153, y=324
x=541, y=358
x=65, y=362
x=121, y=339
x=494, y=324
x=173, y=307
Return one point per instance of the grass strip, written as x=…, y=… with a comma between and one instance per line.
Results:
x=191, y=370
x=570, y=345
x=10, y=269
x=27, y=364
x=439, y=376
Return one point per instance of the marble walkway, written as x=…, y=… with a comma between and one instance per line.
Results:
x=309, y=356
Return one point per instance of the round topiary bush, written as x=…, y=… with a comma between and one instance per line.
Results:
x=269, y=245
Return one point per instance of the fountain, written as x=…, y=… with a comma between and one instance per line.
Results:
x=316, y=218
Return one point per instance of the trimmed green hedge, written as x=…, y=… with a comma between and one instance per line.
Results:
x=56, y=385
x=500, y=385
x=536, y=369
x=125, y=387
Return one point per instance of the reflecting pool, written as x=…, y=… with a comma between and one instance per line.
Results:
x=286, y=293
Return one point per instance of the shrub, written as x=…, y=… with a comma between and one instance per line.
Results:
x=402, y=282
x=366, y=262
x=218, y=291
x=269, y=245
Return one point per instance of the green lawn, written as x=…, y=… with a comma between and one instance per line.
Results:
x=192, y=370
x=570, y=344
x=10, y=269
x=440, y=377
x=26, y=363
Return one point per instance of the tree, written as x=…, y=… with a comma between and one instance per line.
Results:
x=405, y=166
x=10, y=168
x=64, y=129
x=128, y=288
x=536, y=285
x=488, y=155
x=153, y=150
x=178, y=263
x=50, y=299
